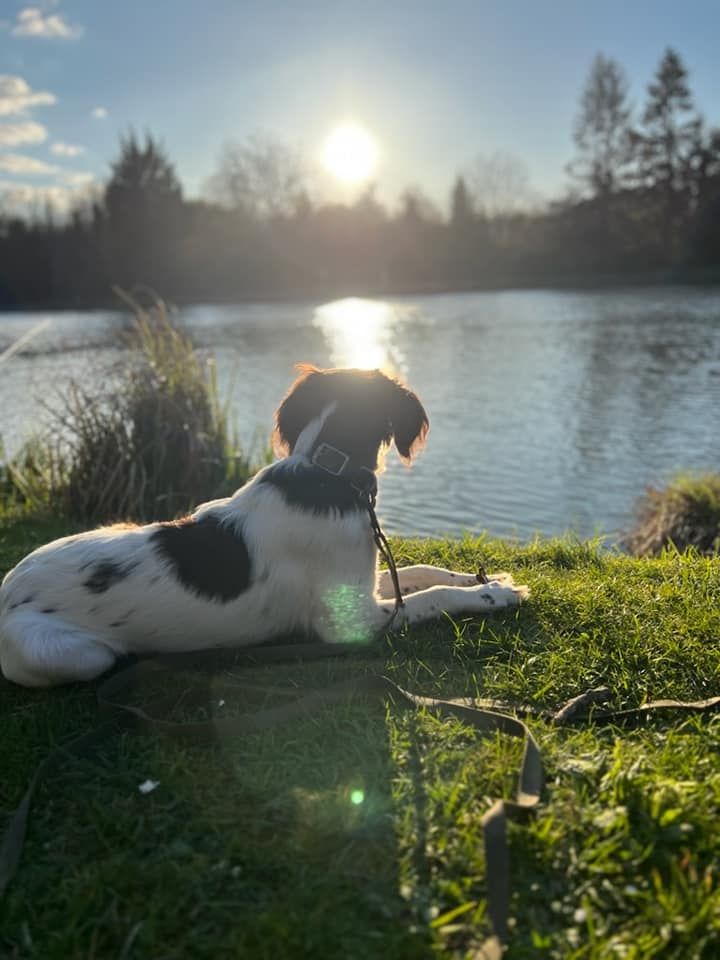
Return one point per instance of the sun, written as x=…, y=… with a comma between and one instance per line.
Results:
x=350, y=153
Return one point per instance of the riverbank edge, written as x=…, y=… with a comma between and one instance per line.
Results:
x=678, y=277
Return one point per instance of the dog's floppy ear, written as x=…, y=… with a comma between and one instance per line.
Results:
x=408, y=420
x=304, y=401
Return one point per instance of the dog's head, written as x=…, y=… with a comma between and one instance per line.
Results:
x=357, y=411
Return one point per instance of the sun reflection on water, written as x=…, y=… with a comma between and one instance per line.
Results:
x=361, y=333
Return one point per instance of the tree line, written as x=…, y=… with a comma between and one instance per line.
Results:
x=644, y=205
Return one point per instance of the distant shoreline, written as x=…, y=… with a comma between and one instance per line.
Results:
x=690, y=277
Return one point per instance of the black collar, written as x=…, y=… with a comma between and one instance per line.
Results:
x=341, y=465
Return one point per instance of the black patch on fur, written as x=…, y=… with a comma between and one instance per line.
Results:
x=49, y=610
x=107, y=573
x=208, y=558
x=489, y=597
x=311, y=488
x=20, y=603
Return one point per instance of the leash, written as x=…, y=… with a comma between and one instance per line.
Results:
x=363, y=484
x=367, y=496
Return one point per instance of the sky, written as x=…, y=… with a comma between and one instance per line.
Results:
x=436, y=82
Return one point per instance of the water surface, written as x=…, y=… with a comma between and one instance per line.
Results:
x=549, y=411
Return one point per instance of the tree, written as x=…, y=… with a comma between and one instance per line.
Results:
x=705, y=225
x=416, y=207
x=143, y=207
x=142, y=175
x=499, y=185
x=262, y=178
x=602, y=132
x=666, y=145
x=461, y=209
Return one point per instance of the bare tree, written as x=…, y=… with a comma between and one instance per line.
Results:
x=415, y=206
x=262, y=177
x=499, y=185
x=602, y=130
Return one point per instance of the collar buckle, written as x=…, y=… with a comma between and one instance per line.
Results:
x=330, y=459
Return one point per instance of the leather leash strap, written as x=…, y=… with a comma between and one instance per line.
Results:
x=115, y=714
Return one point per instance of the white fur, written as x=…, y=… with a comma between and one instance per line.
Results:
x=310, y=573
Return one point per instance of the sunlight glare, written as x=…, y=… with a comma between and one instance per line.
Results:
x=350, y=153
x=361, y=333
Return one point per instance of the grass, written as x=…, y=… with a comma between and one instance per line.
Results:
x=355, y=833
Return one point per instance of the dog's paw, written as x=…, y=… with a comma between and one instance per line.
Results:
x=500, y=592
x=506, y=580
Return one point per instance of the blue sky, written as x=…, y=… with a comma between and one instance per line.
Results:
x=436, y=81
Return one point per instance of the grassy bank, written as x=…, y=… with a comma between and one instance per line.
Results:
x=355, y=834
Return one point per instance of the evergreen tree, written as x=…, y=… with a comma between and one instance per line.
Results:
x=602, y=134
x=143, y=207
x=666, y=145
x=461, y=209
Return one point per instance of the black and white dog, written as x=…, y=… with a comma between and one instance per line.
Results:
x=291, y=551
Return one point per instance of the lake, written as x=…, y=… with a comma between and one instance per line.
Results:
x=550, y=411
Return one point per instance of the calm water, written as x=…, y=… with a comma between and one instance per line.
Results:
x=549, y=411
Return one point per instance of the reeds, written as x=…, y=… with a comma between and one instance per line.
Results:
x=685, y=514
x=154, y=442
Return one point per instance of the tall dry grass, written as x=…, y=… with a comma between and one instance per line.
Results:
x=152, y=443
x=684, y=514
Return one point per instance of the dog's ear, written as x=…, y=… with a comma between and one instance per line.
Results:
x=408, y=420
x=304, y=401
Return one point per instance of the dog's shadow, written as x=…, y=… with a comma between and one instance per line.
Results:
x=317, y=836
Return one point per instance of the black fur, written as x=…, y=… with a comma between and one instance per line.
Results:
x=20, y=603
x=312, y=488
x=106, y=574
x=209, y=558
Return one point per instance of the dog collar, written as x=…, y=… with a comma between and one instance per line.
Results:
x=340, y=464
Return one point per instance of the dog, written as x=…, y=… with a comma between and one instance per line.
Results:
x=290, y=552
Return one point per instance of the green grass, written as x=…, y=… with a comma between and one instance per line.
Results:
x=258, y=848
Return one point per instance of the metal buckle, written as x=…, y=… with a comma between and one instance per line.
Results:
x=330, y=459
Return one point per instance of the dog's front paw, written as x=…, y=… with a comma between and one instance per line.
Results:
x=506, y=580
x=499, y=592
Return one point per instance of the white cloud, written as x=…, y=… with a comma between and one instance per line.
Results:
x=32, y=22
x=14, y=134
x=22, y=198
x=16, y=96
x=76, y=178
x=61, y=149
x=100, y=113
x=16, y=163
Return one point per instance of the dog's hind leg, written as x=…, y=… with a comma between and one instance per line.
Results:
x=39, y=650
